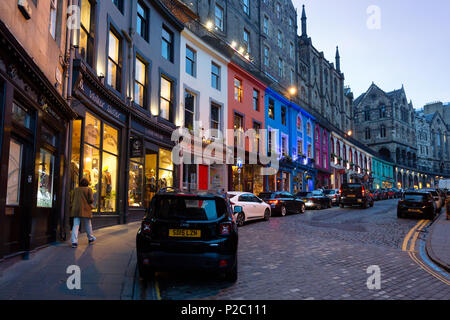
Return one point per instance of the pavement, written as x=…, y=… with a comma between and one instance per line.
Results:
x=438, y=242
x=107, y=269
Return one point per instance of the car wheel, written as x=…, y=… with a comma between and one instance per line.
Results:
x=371, y=204
x=283, y=211
x=267, y=215
x=145, y=272
x=330, y=204
x=232, y=275
x=302, y=208
x=240, y=220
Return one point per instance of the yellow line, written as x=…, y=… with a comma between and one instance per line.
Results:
x=424, y=267
x=416, y=235
x=405, y=242
x=158, y=294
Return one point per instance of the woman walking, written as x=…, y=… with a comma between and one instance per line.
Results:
x=82, y=203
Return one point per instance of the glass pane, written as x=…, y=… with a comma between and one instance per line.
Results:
x=136, y=184
x=139, y=94
x=166, y=88
x=150, y=177
x=109, y=182
x=86, y=14
x=110, y=137
x=45, y=180
x=140, y=71
x=48, y=136
x=112, y=74
x=165, y=159
x=21, y=115
x=165, y=109
x=14, y=173
x=83, y=43
x=113, y=51
x=92, y=130
x=75, y=160
x=91, y=169
x=165, y=178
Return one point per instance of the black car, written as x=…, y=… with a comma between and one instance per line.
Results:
x=315, y=199
x=417, y=203
x=355, y=194
x=185, y=231
x=283, y=203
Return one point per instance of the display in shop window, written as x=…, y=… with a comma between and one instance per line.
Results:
x=45, y=180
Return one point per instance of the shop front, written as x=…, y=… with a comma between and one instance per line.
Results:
x=34, y=121
x=247, y=178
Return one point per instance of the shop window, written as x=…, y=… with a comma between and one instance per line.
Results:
x=48, y=136
x=165, y=169
x=151, y=181
x=190, y=176
x=216, y=174
x=136, y=183
x=14, y=173
x=76, y=154
x=21, y=116
x=45, y=179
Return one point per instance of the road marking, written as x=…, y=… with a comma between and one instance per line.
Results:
x=416, y=235
x=406, y=240
x=427, y=269
x=158, y=293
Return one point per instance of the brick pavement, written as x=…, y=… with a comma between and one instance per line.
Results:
x=438, y=243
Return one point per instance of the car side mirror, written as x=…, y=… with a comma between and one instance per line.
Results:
x=237, y=209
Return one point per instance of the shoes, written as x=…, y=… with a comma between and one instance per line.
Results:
x=91, y=242
x=74, y=245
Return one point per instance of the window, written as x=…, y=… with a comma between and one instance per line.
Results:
x=299, y=123
x=165, y=169
x=238, y=125
x=266, y=56
x=284, y=147
x=238, y=90
x=257, y=128
x=215, y=76
x=45, y=182
x=139, y=82
x=119, y=4
x=189, y=105
x=246, y=6
x=191, y=57
x=299, y=147
x=280, y=39
x=309, y=151
x=367, y=133
x=308, y=129
x=383, y=131
x=291, y=23
x=280, y=67
x=14, y=173
x=166, y=103
x=142, y=20
x=266, y=25
x=278, y=10
x=21, y=115
x=167, y=44
x=291, y=77
x=246, y=38
x=52, y=27
x=382, y=111
x=271, y=109
x=215, y=117
x=86, y=45
x=219, y=17
x=291, y=50
x=283, y=115
x=136, y=182
x=114, y=61
x=367, y=114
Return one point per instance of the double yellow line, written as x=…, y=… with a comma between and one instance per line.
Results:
x=412, y=253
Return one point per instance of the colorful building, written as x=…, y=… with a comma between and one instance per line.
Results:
x=294, y=131
x=245, y=112
x=321, y=156
x=382, y=173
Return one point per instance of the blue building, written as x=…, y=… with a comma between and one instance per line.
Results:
x=294, y=131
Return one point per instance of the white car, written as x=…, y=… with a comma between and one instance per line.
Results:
x=253, y=208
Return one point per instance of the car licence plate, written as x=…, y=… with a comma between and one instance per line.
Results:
x=351, y=196
x=414, y=210
x=185, y=233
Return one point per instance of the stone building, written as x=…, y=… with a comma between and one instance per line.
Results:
x=262, y=31
x=385, y=121
x=424, y=147
x=321, y=83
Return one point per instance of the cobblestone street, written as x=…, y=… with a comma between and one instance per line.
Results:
x=318, y=255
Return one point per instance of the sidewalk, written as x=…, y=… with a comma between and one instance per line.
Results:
x=438, y=242
x=107, y=268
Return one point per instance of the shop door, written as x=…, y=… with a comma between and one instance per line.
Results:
x=203, y=177
x=18, y=195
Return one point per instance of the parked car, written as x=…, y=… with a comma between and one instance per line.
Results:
x=333, y=194
x=185, y=231
x=436, y=197
x=383, y=194
x=398, y=193
x=376, y=195
x=315, y=199
x=253, y=208
x=417, y=203
x=390, y=193
x=355, y=194
x=283, y=203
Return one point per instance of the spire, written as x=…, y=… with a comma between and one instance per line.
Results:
x=304, y=31
x=338, y=60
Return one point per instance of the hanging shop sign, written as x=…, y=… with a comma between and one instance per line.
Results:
x=136, y=148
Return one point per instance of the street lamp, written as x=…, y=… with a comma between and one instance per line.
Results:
x=209, y=25
x=349, y=133
x=292, y=90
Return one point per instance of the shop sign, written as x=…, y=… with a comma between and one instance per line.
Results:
x=136, y=148
x=101, y=103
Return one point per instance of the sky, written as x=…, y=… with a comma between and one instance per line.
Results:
x=397, y=42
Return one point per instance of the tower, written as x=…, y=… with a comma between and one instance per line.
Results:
x=338, y=60
x=304, y=31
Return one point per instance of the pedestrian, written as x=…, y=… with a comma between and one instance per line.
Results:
x=82, y=205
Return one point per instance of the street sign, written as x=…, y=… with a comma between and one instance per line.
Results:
x=239, y=163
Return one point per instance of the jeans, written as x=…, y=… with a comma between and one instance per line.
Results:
x=76, y=227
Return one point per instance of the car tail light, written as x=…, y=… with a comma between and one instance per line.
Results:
x=335, y=196
x=232, y=203
x=223, y=263
x=363, y=191
x=273, y=201
x=225, y=229
x=146, y=227
x=311, y=199
x=340, y=191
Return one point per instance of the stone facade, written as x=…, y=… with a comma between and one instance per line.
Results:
x=424, y=147
x=385, y=121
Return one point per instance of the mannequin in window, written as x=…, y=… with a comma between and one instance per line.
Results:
x=150, y=187
x=106, y=189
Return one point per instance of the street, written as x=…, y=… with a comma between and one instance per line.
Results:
x=318, y=255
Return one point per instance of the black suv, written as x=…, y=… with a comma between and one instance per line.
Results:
x=186, y=231
x=351, y=194
x=417, y=203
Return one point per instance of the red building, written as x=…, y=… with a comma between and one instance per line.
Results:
x=245, y=111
